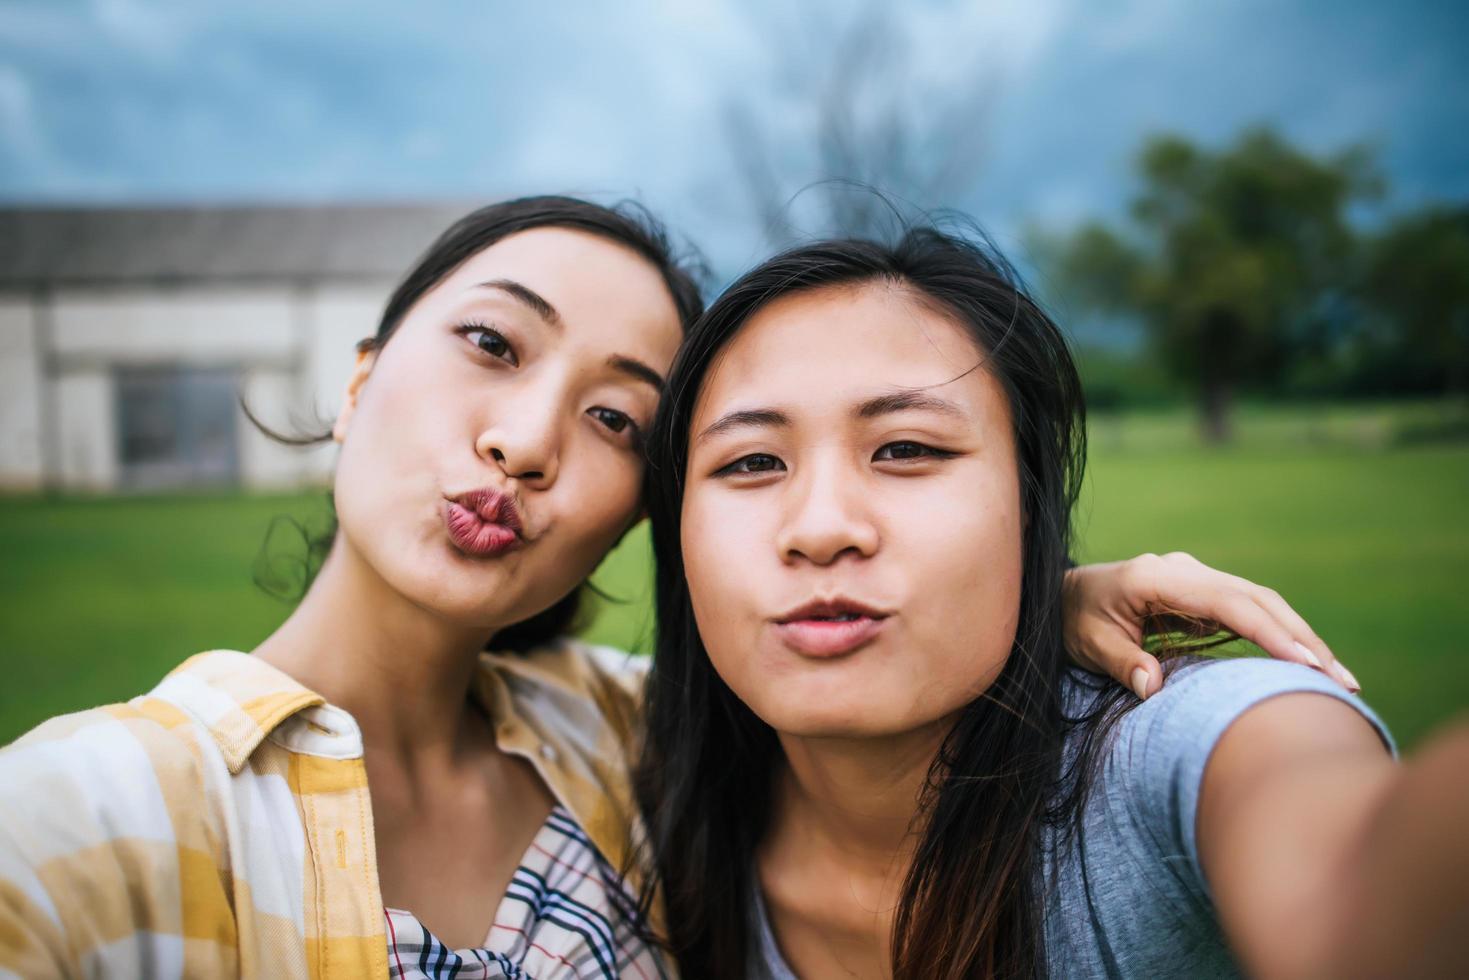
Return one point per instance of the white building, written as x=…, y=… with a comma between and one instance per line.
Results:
x=127, y=337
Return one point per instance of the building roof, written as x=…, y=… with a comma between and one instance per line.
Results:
x=40, y=246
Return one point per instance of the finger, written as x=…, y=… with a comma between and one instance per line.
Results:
x=1146, y=677
x=1302, y=633
x=1207, y=592
x=1243, y=615
x=1116, y=655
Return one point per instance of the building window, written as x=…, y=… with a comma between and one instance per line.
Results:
x=176, y=426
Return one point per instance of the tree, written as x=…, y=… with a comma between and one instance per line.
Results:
x=1415, y=291
x=1227, y=258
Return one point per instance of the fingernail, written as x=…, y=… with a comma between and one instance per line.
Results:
x=1351, y=681
x=1311, y=658
x=1140, y=683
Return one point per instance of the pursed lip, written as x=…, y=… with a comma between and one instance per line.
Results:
x=830, y=627
x=483, y=522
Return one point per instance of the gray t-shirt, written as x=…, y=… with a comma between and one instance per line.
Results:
x=1143, y=908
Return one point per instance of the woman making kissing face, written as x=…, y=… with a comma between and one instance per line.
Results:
x=861, y=710
x=898, y=448
x=372, y=790
x=490, y=457
x=503, y=421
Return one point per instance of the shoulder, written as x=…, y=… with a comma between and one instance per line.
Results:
x=1203, y=697
x=102, y=811
x=1163, y=744
x=199, y=723
x=589, y=686
x=576, y=710
x=626, y=672
x=1134, y=871
x=1157, y=752
x=105, y=755
x=93, y=804
x=574, y=666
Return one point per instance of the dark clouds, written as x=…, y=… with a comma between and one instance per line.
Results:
x=122, y=100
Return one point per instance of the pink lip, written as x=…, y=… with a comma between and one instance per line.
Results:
x=483, y=523
x=810, y=632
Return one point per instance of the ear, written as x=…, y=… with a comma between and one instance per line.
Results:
x=366, y=358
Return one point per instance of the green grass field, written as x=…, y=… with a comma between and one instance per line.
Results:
x=1365, y=537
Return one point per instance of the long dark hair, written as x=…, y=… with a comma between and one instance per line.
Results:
x=626, y=224
x=705, y=780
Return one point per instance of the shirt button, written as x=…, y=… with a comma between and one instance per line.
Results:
x=549, y=753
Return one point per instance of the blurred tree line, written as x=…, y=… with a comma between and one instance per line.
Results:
x=1247, y=272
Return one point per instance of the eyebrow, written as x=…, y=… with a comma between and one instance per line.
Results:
x=899, y=401
x=636, y=368
x=538, y=303
x=902, y=401
x=754, y=418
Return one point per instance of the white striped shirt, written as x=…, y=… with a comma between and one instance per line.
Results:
x=565, y=914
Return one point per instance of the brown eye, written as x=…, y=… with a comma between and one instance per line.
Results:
x=490, y=341
x=908, y=450
x=611, y=418
x=754, y=463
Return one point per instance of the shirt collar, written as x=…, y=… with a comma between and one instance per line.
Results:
x=241, y=700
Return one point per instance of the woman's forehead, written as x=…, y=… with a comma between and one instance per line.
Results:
x=850, y=340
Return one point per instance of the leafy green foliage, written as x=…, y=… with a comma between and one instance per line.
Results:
x=1416, y=293
x=1247, y=274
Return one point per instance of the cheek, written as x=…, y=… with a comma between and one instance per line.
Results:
x=598, y=498
x=713, y=546
x=386, y=468
x=969, y=592
x=713, y=540
x=410, y=382
x=363, y=488
x=400, y=417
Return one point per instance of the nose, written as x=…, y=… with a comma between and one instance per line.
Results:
x=524, y=440
x=827, y=517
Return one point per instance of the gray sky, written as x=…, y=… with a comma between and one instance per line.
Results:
x=132, y=101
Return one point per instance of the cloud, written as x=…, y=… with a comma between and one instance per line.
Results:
x=169, y=100
x=17, y=116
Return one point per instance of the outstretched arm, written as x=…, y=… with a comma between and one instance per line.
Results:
x=1108, y=605
x=1327, y=859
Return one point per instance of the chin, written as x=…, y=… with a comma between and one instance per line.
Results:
x=842, y=728
x=810, y=718
x=471, y=601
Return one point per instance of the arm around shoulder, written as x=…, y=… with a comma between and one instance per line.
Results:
x=1327, y=858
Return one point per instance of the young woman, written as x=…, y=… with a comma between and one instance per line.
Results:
x=867, y=756
x=490, y=456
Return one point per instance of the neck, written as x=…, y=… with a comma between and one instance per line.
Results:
x=402, y=672
x=859, y=797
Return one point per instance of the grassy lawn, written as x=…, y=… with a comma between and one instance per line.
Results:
x=1371, y=548
x=100, y=597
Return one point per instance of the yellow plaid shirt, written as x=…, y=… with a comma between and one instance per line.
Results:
x=220, y=825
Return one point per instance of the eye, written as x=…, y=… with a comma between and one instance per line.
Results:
x=612, y=419
x=908, y=450
x=492, y=342
x=753, y=463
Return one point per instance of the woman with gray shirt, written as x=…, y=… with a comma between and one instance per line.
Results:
x=867, y=753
